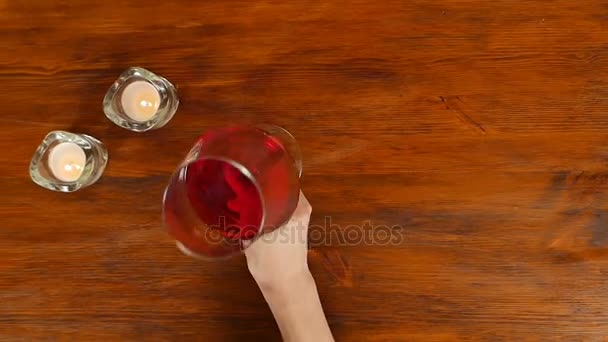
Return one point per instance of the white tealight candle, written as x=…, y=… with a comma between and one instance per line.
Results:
x=140, y=100
x=66, y=161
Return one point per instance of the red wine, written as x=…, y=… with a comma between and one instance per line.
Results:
x=237, y=182
x=224, y=198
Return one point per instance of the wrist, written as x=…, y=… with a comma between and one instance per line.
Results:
x=297, y=309
x=285, y=283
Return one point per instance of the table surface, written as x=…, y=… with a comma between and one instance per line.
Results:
x=472, y=133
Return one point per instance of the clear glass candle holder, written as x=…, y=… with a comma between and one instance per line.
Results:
x=140, y=100
x=67, y=161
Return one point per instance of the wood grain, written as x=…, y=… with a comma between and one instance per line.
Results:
x=476, y=129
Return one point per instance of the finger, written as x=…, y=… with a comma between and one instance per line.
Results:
x=246, y=243
x=303, y=207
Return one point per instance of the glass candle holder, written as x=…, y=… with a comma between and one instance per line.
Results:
x=67, y=161
x=140, y=100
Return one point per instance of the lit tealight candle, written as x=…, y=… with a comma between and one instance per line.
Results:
x=140, y=101
x=66, y=161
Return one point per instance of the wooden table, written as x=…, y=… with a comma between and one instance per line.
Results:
x=475, y=130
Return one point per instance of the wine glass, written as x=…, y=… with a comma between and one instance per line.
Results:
x=236, y=183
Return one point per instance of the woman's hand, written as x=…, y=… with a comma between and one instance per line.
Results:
x=280, y=256
x=278, y=263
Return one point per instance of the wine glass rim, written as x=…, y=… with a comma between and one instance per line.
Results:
x=295, y=147
x=180, y=173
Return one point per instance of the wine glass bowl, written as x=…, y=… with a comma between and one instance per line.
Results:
x=235, y=183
